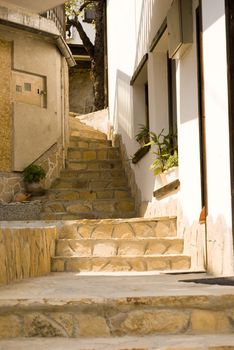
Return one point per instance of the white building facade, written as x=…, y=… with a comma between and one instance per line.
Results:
x=168, y=68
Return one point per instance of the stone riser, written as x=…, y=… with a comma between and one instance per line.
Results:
x=76, y=207
x=86, y=143
x=116, y=263
x=64, y=195
x=118, y=247
x=107, y=318
x=95, y=154
x=122, y=229
x=92, y=174
x=94, y=165
x=90, y=184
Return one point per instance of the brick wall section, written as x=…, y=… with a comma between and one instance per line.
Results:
x=5, y=106
x=25, y=252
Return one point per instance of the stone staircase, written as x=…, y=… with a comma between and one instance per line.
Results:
x=120, y=245
x=116, y=280
x=93, y=185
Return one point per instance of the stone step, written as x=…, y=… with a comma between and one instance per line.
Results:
x=75, y=306
x=90, y=206
x=168, y=262
x=94, y=185
x=88, y=134
x=80, y=216
x=83, y=142
x=92, y=174
x=118, y=247
x=93, y=154
x=73, y=195
x=118, y=228
x=93, y=164
x=159, y=342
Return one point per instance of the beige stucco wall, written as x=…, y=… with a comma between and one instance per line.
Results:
x=25, y=251
x=36, y=129
x=5, y=106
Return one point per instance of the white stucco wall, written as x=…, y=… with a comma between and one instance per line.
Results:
x=219, y=224
x=35, y=129
x=126, y=47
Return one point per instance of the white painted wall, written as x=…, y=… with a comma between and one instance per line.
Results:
x=126, y=47
x=217, y=134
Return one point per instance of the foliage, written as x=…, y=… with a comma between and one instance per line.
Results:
x=33, y=173
x=143, y=135
x=166, y=151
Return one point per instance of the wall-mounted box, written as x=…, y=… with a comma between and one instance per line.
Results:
x=29, y=88
x=180, y=27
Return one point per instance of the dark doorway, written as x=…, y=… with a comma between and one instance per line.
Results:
x=201, y=111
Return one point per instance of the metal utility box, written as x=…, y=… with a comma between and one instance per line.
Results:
x=29, y=88
x=180, y=27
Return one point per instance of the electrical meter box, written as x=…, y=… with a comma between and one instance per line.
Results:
x=29, y=88
x=180, y=28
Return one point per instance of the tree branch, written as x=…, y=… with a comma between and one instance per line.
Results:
x=84, y=37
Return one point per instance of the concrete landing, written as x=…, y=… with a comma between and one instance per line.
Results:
x=212, y=342
x=75, y=286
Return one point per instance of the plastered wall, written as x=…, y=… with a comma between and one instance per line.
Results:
x=35, y=129
x=5, y=106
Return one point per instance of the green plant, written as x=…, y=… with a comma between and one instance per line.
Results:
x=166, y=151
x=33, y=173
x=143, y=135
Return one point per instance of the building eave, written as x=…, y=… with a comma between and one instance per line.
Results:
x=38, y=25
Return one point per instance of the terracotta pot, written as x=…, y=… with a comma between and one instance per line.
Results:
x=35, y=188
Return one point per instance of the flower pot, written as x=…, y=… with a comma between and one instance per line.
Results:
x=35, y=188
x=169, y=176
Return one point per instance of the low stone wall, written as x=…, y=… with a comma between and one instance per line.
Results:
x=10, y=184
x=136, y=193
x=52, y=163
x=25, y=251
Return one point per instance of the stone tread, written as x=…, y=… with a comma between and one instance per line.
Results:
x=90, y=141
x=121, y=263
x=119, y=247
x=174, y=342
x=90, y=216
x=120, y=228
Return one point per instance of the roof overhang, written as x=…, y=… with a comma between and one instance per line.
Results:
x=36, y=6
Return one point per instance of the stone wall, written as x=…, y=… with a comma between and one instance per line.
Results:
x=5, y=106
x=81, y=91
x=10, y=184
x=136, y=193
x=52, y=162
x=25, y=251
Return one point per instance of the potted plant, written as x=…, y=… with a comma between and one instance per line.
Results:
x=166, y=154
x=32, y=175
x=143, y=136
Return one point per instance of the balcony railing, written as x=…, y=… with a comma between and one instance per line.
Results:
x=57, y=15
